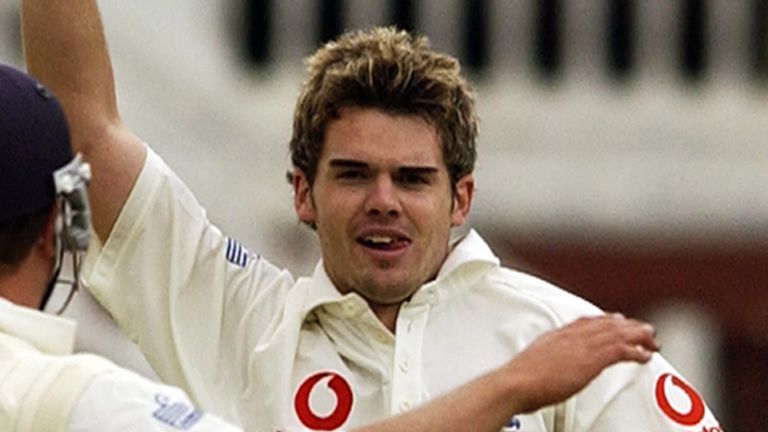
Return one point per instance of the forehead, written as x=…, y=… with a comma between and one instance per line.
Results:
x=375, y=136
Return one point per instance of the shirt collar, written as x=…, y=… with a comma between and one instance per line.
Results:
x=467, y=252
x=322, y=293
x=470, y=249
x=469, y=259
x=48, y=333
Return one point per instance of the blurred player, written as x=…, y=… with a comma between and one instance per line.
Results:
x=43, y=214
x=383, y=151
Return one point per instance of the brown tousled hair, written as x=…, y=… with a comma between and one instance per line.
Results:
x=393, y=71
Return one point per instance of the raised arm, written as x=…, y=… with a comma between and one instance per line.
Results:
x=65, y=48
x=553, y=368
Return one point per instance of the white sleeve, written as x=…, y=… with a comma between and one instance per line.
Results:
x=640, y=398
x=122, y=401
x=626, y=397
x=194, y=300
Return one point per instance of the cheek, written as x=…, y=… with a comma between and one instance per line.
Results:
x=334, y=212
x=434, y=216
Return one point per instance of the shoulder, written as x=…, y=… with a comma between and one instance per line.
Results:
x=538, y=295
x=48, y=384
x=473, y=263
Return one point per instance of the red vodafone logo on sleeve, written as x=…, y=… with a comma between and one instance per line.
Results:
x=343, y=401
x=664, y=392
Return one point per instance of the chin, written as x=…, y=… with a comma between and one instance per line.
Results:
x=391, y=292
x=386, y=301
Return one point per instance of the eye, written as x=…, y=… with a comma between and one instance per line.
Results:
x=351, y=174
x=413, y=178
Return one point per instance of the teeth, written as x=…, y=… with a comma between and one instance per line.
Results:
x=379, y=239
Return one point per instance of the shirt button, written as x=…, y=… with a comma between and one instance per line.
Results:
x=405, y=406
x=404, y=364
x=349, y=309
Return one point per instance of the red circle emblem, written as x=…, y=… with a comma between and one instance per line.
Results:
x=694, y=415
x=338, y=416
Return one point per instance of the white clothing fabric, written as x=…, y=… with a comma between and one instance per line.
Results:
x=39, y=381
x=125, y=401
x=253, y=345
x=46, y=388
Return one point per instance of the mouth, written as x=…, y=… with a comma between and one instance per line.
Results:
x=384, y=242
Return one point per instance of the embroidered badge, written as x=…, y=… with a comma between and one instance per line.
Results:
x=513, y=424
x=236, y=253
x=178, y=415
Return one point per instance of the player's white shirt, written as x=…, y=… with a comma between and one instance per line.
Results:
x=253, y=345
x=44, y=387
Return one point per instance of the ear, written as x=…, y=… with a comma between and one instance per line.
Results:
x=46, y=241
x=462, y=200
x=302, y=197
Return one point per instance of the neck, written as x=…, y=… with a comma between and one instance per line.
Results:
x=387, y=314
x=24, y=284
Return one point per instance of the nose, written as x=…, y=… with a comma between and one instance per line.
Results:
x=382, y=198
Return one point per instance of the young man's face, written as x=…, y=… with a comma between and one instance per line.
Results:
x=382, y=204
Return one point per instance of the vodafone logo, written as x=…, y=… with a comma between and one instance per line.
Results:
x=343, y=401
x=665, y=392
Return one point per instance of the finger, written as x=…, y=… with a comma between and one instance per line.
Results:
x=639, y=342
x=638, y=353
x=617, y=337
x=642, y=334
x=632, y=330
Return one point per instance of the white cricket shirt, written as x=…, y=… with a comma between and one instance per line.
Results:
x=253, y=345
x=46, y=388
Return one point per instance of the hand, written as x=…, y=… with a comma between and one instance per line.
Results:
x=563, y=361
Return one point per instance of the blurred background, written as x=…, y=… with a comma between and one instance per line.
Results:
x=623, y=148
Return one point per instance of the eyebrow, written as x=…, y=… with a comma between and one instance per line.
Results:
x=347, y=163
x=407, y=169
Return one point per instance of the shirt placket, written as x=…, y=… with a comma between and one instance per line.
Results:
x=407, y=390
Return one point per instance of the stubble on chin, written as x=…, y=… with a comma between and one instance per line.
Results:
x=385, y=293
